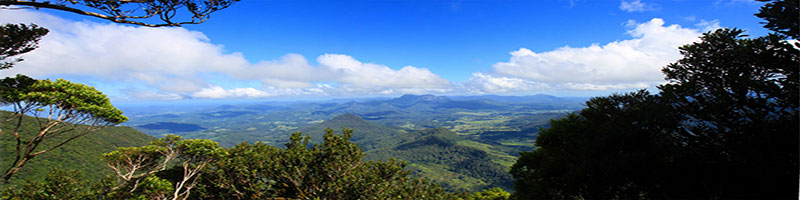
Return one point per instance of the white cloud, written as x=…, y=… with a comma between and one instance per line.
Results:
x=588, y=86
x=706, y=25
x=357, y=75
x=633, y=63
x=488, y=83
x=636, y=6
x=167, y=58
x=175, y=62
x=217, y=92
x=136, y=94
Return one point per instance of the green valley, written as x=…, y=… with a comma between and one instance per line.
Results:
x=466, y=143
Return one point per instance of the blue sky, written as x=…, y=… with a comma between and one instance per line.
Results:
x=326, y=49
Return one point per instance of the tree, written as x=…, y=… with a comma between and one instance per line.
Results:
x=616, y=148
x=58, y=185
x=490, y=194
x=64, y=111
x=70, y=105
x=332, y=170
x=782, y=17
x=16, y=39
x=738, y=100
x=137, y=12
x=725, y=126
x=137, y=166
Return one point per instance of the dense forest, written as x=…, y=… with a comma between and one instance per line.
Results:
x=724, y=126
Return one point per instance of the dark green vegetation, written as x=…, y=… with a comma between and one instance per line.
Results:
x=450, y=159
x=368, y=135
x=484, y=134
x=724, y=127
x=18, y=39
x=334, y=169
x=82, y=154
x=64, y=111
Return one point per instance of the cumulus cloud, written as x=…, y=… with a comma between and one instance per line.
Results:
x=488, y=83
x=138, y=94
x=357, y=75
x=217, y=92
x=167, y=58
x=632, y=63
x=636, y=6
x=175, y=62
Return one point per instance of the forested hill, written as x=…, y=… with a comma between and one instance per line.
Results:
x=82, y=154
x=366, y=134
x=449, y=159
x=454, y=161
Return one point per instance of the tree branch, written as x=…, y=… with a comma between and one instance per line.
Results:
x=117, y=19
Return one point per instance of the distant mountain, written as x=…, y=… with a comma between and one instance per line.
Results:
x=427, y=103
x=410, y=100
x=488, y=132
x=82, y=154
x=172, y=127
x=538, y=98
x=227, y=107
x=227, y=114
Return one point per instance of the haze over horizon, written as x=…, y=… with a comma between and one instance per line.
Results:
x=320, y=49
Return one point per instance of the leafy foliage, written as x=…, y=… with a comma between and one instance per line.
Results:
x=82, y=154
x=16, y=39
x=331, y=170
x=782, y=17
x=614, y=149
x=72, y=110
x=135, y=166
x=724, y=127
x=738, y=98
x=490, y=194
x=58, y=185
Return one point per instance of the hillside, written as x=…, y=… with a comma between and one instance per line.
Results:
x=443, y=156
x=270, y=122
x=368, y=135
x=82, y=154
x=453, y=160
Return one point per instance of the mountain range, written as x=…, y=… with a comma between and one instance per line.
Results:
x=463, y=142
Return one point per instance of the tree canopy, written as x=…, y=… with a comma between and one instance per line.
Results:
x=137, y=12
x=616, y=148
x=64, y=111
x=16, y=39
x=782, y=17
x=332, y=170
x=725, y=126
x=172, y=166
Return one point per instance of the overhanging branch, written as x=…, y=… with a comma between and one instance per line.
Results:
x=4, y=4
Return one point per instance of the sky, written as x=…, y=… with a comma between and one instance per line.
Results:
x=299, y=49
